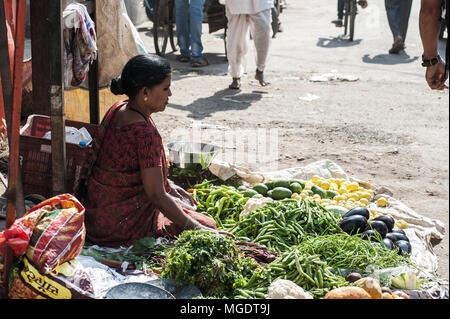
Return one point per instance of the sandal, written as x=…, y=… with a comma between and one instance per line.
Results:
x=236, y=84
x=183, y=58
x=397, y=47
x=199, y=63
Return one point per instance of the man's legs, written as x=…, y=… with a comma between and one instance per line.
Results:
x=340, y=5
x=406, y=12
x=260, y=29
x=181, y=16
x=394, y=15
x=398, y=12
x=196, y=16
x=237, y=45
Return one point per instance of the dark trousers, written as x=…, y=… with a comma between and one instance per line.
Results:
x=398, y=12
x=341, y=4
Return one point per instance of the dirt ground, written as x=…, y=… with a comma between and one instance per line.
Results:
x=387, y=128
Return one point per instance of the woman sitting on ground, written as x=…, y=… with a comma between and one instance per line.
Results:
x=127, y=193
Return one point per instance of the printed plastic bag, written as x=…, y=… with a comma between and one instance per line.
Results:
x=67, y=281
x=50, y=233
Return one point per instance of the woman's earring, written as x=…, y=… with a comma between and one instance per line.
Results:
x=145, y=99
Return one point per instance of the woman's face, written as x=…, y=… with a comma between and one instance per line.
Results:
x=158, y=96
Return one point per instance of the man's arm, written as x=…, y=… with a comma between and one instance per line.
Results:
x=429, y=26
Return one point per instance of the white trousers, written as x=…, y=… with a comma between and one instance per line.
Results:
x=238, y=39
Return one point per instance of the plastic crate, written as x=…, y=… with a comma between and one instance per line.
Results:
x=35, y=158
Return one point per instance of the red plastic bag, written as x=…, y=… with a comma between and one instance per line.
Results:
x=18, y=235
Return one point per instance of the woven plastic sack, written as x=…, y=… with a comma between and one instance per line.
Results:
x=49, y=234
x=67, y=281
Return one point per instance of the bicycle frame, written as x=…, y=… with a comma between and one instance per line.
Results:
x=350, y=11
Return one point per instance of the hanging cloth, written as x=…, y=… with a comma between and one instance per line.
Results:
x=80, y=43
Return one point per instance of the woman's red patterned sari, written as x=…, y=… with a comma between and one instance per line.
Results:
x=118, y=211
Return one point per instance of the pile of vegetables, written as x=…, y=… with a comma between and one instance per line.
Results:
x=351, y=252
x=310, y=272
x=210, y=261
x=282, y=224
x=220, y=202
x=332, y=191
x=379, y=230
x=305, y=232
x=365, y=288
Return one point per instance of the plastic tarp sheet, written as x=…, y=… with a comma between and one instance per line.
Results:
x=104, y=278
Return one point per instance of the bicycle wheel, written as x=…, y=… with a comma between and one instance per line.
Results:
x=163, y=27
x=149, y=6
x=172, y=32
x=225, y=42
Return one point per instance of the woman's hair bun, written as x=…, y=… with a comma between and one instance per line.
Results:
x=116, y=86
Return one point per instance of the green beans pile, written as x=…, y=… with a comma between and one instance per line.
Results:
x=351, y=252
x=221, y=202
x=285, y=223
x=308, y=271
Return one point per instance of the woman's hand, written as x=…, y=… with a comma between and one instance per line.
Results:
x=213, y=230
x=180, y=193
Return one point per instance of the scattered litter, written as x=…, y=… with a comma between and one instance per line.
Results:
x=309, y=97
x=210, y=126
x=333, y=76
x=394, y=151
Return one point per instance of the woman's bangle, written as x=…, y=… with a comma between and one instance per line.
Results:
x=188, y=219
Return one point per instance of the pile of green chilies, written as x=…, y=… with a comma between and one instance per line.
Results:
x=282, y=224
x=308, y=271
x=222, y=203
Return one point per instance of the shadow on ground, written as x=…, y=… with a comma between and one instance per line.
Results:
x=218, y=65
x=223, y=100
x=389, y=59
x=337, y=42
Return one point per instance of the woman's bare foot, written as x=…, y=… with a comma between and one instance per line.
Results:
x=236, y=84
x=260, y=77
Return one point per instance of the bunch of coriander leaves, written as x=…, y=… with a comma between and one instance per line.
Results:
x=210, y=261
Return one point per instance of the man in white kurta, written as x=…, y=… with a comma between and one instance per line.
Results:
x=243, y=15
